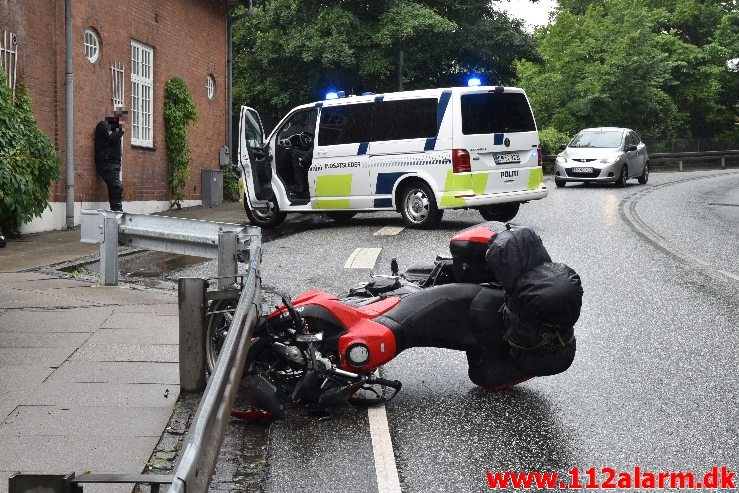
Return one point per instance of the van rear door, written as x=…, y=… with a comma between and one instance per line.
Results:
x=499, y=131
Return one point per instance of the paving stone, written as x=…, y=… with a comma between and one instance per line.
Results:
x=42, y=340
x=86, y=319
x=104, y=394
x=26, y=298
x=121, y=422
x=137, y=320
x=59, y=455
x=155, y=309
x=38, y=356
x=142, y=335
x=128, y=352
x=118, y=372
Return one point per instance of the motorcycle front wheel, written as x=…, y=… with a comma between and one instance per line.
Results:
x=219, y=317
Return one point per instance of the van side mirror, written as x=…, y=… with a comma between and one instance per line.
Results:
x=563, y=147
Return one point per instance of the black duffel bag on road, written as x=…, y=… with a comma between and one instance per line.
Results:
x=540, y=313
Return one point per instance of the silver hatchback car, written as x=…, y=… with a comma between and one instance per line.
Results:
x=606, y=154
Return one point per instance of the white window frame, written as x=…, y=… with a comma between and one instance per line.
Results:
x=210, y=87
x=142, y=94
x=91, y=43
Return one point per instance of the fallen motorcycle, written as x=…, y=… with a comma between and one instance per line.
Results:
x=499, y=298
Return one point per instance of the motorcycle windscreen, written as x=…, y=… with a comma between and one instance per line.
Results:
x=254, y=158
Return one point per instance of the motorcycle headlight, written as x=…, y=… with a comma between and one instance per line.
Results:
x=561, y=159
x=357, y=354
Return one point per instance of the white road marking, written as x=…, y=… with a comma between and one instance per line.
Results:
x=363, y=258
x=382, y=447
x=389, y=231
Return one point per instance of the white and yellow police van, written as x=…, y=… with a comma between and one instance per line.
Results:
x=414, y=152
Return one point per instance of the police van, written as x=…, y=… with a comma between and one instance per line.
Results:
x=414, y=152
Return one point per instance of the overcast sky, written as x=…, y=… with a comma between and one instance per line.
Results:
x=533, y=14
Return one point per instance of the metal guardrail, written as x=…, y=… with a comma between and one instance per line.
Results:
x=707, y=156
x=167, y=234
x=205, y=437
x=720, y=157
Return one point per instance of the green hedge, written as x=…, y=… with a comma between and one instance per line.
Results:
x=29, y=163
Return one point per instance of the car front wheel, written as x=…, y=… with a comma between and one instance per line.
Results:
x=644, y=177
x=621, y=182
x=559, y=183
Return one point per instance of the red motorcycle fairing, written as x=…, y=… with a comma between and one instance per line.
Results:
x=357, y=320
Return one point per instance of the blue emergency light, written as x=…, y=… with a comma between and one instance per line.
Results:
x=474, y=82
x=335, y=94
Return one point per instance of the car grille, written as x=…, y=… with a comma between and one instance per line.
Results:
x=584, y=160
x=572, y=174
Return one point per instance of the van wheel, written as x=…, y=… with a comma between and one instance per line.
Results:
x=265, y=217
x=500, y=212
x=418, y=207
x=340, y=216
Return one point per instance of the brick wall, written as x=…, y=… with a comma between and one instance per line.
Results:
x=189, y=41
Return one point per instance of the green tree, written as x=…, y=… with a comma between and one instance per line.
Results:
x=29, y=163
x=657, y=66
x=288, y=52
x=179, y=112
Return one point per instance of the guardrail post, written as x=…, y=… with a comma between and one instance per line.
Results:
x=227, y=248
x=191, y=298
x=723, y=163
x=680, y=165
x=109, y=250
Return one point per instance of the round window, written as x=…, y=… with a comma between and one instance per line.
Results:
x=210, y=86
x=92, y=45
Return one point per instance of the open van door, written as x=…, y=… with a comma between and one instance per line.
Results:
x=254, y=158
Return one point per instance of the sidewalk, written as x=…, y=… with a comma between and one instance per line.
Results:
x=88, y=374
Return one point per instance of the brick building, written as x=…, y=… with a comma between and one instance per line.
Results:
x=122, y=51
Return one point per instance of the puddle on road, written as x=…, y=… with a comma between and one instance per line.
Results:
x=147, y=264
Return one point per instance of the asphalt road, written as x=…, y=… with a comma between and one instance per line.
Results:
x=654, y=383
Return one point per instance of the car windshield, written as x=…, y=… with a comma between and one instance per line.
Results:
x=607, y=138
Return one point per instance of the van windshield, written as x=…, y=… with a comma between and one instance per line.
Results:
x=496, y=112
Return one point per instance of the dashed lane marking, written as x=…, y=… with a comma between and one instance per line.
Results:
x=382, y=447
x=363, y=258
x=389, y=231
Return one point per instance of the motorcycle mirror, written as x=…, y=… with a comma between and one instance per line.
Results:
x=394, y=266
x=293, y=313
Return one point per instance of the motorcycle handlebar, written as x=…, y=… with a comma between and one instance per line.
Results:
x=395, y=384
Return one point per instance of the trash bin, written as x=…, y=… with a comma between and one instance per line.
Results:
x=212, y=185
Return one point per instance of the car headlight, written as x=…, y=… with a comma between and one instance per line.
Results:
x=613, y=159
x=561, y=159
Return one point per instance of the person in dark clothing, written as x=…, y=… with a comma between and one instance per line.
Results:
x=302, y=159
x=108, y=135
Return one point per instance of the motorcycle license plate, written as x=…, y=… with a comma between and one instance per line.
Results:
x=510, y=157
x=582, y=170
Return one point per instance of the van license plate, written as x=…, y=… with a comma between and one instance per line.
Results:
x=582, y=170
x=512, y=157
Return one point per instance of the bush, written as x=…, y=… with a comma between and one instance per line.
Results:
x=551, y=139
x=231, y=182
x=29, y=163
x=179, y=111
